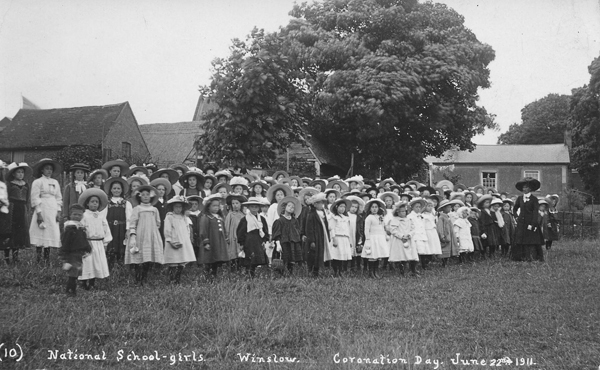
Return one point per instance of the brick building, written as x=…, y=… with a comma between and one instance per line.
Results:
x=501, y=166
x=38, y=133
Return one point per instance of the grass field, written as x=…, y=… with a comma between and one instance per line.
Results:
x=546, y=315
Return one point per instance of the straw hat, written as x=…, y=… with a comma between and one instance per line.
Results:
x=543, y=201
x=151, y=189
x=387, y=181
x=239, y=181
x=483, y=198
x=212, y=197
x=297, y=178
x=410, y=196
x=151, y=167
x=287, y=191
x=124, y=185
x=142, y=179
x=231, y=197
x=212, y=178
x=117, y=162
x=533, y=184
x=456, y=201
x=478, y=187
x=278, y=173
x=265, y=186
x=316, y=198
x=358, y=179
x=307, y=191
x=178, y=199
x=342, y=185
x=101, y=172
x=421, y=201
x=253, y=201
x=306, y=180
x=443, y=204
x=57, y=167
x=437, y=197
x=414, y=184
x=321, y=182
x=357, y=199
x=93, y=192
x=79, y=166
x=329, y=191
x=225, y=185
x=225, y=173
x=133, y=169
x=181, y=167
x=493, y=190
x=395, y=197
x=457, y=195
x=15, y=166
x=173, y=175
x=460, y=187
x=379, y=202
x=427, y=188
x=197, y=198
x=337, y=203
x=164, y=182
x=447, y=183
x=508, y=200
x=497, y=201
x=398, y=205
x=183, y=180
x=210, y=167
x=283, y=203
x=553, y=197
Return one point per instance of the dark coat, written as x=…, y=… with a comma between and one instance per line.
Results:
x=549, y=226
x=315, y=234
x=74, y=244
x=254, y=248
x=508, y=231
x=70, y=197
x=527, y=217
x=162, y=212
x=488, y=225
x=212, y=232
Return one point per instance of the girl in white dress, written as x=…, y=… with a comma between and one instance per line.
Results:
x=376, y=245
x=340, y=249
x=178, y=238
x=401, y=249
x=433, y=239
x=46, y=202
x=462, y=231
x=418, y=234
x=95, y=265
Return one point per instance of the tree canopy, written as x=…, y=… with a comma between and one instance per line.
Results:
x=390, y=81
x=585, y=121
x=543, y=121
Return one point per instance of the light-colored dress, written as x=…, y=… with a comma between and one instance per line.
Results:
x=177, y=231
x=272, y=215
x=145, y=222
x=433, y=239
x=339, y=227
x=418, y=235
x=98, y=234
x=462, y=230
x=231, y=224
x=375, y=238
x=353, y=225
x=46, y=199
x=399, y=250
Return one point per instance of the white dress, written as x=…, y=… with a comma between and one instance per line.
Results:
x=375, y=238
x=418, y=235
x=46, y=199
x=98, y=234
x=433, y=238
x=400, y=251
x=353, y=220
x=272, y=215
x=177, y=230
x=462, y=230
x=339, y=227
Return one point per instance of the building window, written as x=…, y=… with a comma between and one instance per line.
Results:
x=126, y=149
x=488, y=179
x=106, y=155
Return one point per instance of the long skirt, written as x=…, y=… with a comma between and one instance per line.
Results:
x=379, y=247
x=433, y=243
x=400, y=253
x=50, y=235
x=95, y=264
x=343, y=251
x=20, y=223
x=291, y=252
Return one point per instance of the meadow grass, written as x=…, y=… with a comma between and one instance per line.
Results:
x=492, y=309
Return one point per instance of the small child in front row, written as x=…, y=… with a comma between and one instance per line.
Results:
x=145, y=242
x=98, y=233
x=74, y=247
x=402, y=251
x=462, y=231
x=178, y=238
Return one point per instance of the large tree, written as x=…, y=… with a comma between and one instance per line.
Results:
x=543, y=121
x=391, y=81
x=585, y=121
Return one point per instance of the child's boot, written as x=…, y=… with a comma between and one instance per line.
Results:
x=178, y=274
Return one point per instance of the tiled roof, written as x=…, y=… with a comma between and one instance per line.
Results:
x=543, y=153
x=170, y=143
x=38, y=128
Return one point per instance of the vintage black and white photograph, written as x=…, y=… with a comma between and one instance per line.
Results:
x=288, y=184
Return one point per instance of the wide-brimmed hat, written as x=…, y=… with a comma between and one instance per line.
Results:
x=117, y=162
x=239, y=181
x=508, y=200
x=427, y=188
x=307, y=191
x=181, y=167
x=250, y=177
x=287, y=191
x=478, y=187
x=178, y=199
x=253, y=201
x=493, y=190
x=483, y=198
x=321, y=182
x=400, y=204
x=534, y=184
x=231, y=197
x=457, y=195
x=409, y=195
x=338, y=194
x=133, y=169
x=396, y=186
x=414, y=184
x=15, y=166
x=57, y=167
x=553, y=197
x=210, y=177
x=421, y=201
x=306, y=180
x=222, y=173
x=79, y=166
x=496, y=201
x=269, y=180
x=386, y=181
x=217, y=186
x=150, y=188
x=173, y=175
x=151, y=166
x=437, y=197
x=395, y=197
x=379, y=202
x=94, y=192
x=197, y=198
x=101, y=172
x=357, y=199
x=543, y=201
x=265, y=186
x=283, y=203
x=473, y=195
x=447, y=183
x=456, y=201
x=443, y=203
x=212, y=167
x=343, y=186
x=164, y=182
x=183, y=180
x=460, y=187
x=210, y=198
x=297, y=178
x=358, y=179
x=337, y=203
x=316, y=198
x=277, y=173
x=124, y=185
x=142, y=179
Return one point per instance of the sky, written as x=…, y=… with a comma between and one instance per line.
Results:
x=155, y=53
